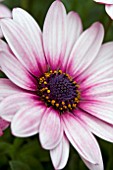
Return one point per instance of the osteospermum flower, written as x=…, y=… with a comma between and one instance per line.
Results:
x=4, y=13
x=108, y=6
x=60, y=83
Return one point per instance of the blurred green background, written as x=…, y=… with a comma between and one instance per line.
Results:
x=26, y=153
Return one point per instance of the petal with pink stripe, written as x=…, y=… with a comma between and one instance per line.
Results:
x=98, y=166
x=51, y=130
x=33, y=33
x=16, y=71
x=60, y=154
x=10, y=105
x=101, y=70
x=81, y=138
x=100, y=91
x=100, y=109
x=8, y=88
x=54, y=34
x=85, y=50
x=27, y=120
x=4, y=13
x=20, y=44
x=98, y=127
x=74, y=29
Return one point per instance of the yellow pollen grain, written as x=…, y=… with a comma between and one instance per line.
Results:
x=45, y=82
x=67, y=75
x=70, y=78
x=55, y=71
x=41, y=79
x=46, y=88
x=77, y=86
x=60, y=71
x=53, y=102
x=69, y=105
x=57, y=105
x=43, y=89
x=61, y=108
x=74, y=105
x=65, y=107
x=47, y=75
x=48, y=91
x=74, y=83
x=63, y=103
x=47, y=97
x=50, y=71
x=75, y=99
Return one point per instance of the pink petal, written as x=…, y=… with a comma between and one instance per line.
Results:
x=1, y=132
x=51, y=130
x=102, y=68
x=97, y=126
x=98, y=91
x=60, y=154
x=74, y=29
x=3, y=124
x=109, y=10
x=16, y=72
x=98, y=166
x=54, y=34
x=20, y=45
x=33, y=33
x=104, y=1
x=27, y=120
x=100, y=109
x=4, y=11
x=81, y=138
x=8, y=88
x=90, y=42
x=8, y=107
x=3, y=46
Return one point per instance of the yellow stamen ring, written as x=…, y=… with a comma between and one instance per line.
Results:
x=59, y=90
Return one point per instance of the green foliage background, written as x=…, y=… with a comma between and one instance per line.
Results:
x=26, y=153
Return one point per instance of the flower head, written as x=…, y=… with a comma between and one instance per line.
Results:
x=108, y=6
x=60, y=83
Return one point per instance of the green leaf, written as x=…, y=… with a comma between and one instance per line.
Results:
x=33, y=148
x=4, y=147
x=32, y=162
x=17, y=165
x=3, y=161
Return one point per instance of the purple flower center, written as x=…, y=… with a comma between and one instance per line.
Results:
x=58, y=90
